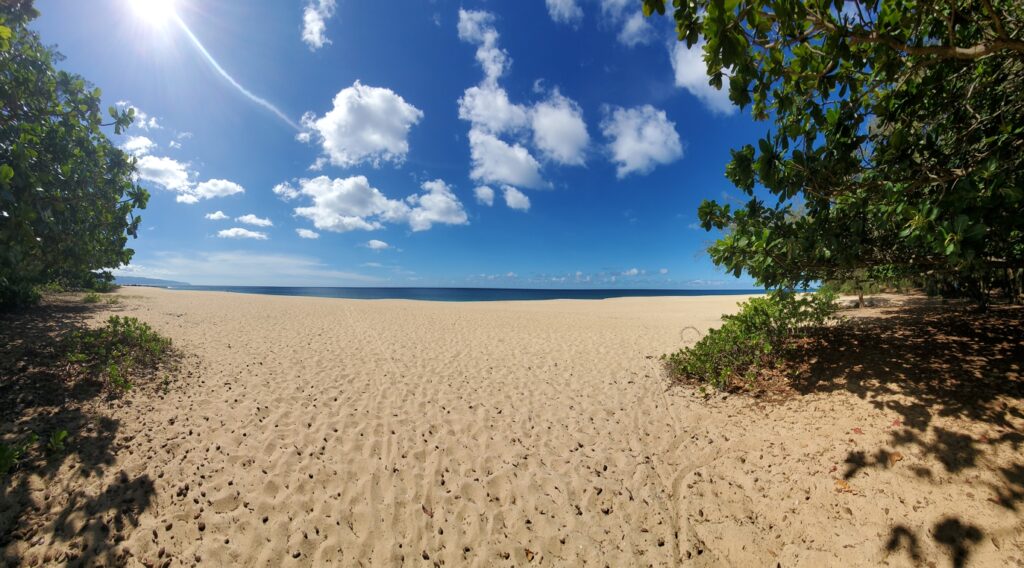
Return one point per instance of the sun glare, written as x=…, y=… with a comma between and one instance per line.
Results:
x=154, y=13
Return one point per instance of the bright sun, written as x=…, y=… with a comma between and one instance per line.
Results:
x=155, y=13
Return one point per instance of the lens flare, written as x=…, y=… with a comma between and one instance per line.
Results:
x=154, y=13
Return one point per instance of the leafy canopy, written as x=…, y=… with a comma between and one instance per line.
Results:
x=67, y=194
x=898, y=140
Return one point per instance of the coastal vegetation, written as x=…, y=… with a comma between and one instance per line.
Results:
x=751, y=342
x=897, y=152
x=68, y=196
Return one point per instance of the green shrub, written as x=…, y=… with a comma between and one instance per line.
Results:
x=119, y=350
x=752, y=340
x=91, y=298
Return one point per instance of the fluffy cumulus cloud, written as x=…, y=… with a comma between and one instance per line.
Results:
x=516, y=199
x=496, y=161
x=374, y=244
x=307, y=234
x=625, y=16
x=210, y=189
x=314, y=23
x=488, y=108
x=216, y=216
x=438, y=204
x=477, y=27
x=691, y=74
x=251, y=219
x=663, y=271
x=559, y=130
x=640, y=138
x=286, y=191
x=240, y=233
x=350, y=204
x=565, y=11
x=166, y=172
x=367, y=124
x=138, y=145
x=484, y=195
x=635, y=30
x=501, y=130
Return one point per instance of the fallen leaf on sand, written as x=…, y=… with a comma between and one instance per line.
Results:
x=834, y=467
x=529, y=555
x=428, y=512
x=858, y=431
x=894, y=458
x=897, y=423
x=843, y=487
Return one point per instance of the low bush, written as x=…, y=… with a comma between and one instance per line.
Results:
x=751, y=341
x=119, y=351
x=91, y=298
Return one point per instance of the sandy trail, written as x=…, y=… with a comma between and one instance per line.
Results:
x=317, y=431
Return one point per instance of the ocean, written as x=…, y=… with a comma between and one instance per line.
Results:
x=459, y=294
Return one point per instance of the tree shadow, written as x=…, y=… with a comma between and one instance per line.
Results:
x=38, y=395
x=948, y=373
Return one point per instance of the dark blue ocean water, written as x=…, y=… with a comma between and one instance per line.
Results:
x=459, y=294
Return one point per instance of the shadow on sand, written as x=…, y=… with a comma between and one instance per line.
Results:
x=926, y=361
x=39, y=396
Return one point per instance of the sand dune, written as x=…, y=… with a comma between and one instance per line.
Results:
x=379, y=433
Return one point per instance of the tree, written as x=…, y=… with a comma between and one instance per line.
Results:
x=67, y=194
x=898, y=146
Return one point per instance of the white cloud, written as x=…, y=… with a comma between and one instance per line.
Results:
x=438, y=205
x=167, y=172
x=477, y=27
x=496, y=161
x=615, y=8
x=285, y=191
x=636, y=30
x=347, y=204
x=174, y=145
x=138, y=145
x=240, y=233
x=632, y=272
x=251, y=219
x=691, y=74
x=350, y=204
x=367, y=124
x=489, y=109
x=484, y=195
x=516, y=199
x=307, y=234
x=216, y=216
x=374, y=244
x=640, y=138
x=559, y=130
x=565, y=11
x=663, y=271
x=215, y=188
x=314, y=23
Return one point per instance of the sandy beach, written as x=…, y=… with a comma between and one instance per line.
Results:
x=309, y=431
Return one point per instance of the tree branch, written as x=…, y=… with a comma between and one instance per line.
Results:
x=943, y=51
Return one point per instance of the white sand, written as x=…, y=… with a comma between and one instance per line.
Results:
x=378, y=433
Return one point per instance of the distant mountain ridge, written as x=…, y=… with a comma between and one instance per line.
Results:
x=140, y=281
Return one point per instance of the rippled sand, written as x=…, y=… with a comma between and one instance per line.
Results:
x=315, y=431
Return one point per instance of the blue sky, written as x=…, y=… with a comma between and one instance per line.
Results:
x=526, y=143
